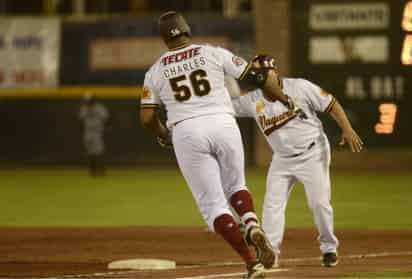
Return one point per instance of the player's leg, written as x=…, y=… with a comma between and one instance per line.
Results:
x=92, y=164
x=230, y=155
x=99, y=149
x=100, y=167
x=314, y=174
x=279, y=185
x=202, y=174
x=91, y=154
x=228, y=149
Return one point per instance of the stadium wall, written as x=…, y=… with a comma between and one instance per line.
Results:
x=40, y=126
x=108, y=58
x=44, y=128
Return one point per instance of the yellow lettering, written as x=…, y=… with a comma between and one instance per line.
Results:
x=387, y=118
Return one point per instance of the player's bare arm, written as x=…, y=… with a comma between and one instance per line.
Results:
x=262, y=72
x=272, y=87
x=349, y=135
x=272, y=90
x=149, y=117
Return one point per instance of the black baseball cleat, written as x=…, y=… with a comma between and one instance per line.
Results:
x=329, y=259
x=264, y=251
x=255, y=270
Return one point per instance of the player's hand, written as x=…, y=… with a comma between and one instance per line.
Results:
x=165, y=141
x=264, y=62
x=350, y=137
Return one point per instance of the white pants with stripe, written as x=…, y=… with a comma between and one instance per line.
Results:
x=312, y=170
x=209, y=152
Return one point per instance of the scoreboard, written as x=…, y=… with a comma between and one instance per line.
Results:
x=361, y=52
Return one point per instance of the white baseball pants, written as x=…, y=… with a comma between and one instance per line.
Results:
x=209, y=152
x=312, y=170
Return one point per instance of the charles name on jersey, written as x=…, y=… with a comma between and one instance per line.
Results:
x=190, y=65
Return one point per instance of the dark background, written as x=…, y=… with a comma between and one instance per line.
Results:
x=44, y=130
x=48, y=131
x=363, y=113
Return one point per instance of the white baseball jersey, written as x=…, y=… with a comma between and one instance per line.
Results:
x=302, y=154
x=286, y=133
x=188, y=81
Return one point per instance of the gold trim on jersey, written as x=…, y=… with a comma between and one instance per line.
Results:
x=259, y=107
x=146, y=94
x=242, y=75
x=332, y=102
x=323, y=92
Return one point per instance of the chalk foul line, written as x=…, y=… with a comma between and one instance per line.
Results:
x=228, y=264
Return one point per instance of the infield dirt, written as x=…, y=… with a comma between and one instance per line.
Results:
x=81, y=253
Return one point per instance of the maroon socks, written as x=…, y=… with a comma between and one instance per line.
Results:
x=242, y=203
x=226, y=226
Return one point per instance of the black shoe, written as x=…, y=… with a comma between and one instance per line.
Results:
x=329, y=259
x=264, y=251
x=255, y=270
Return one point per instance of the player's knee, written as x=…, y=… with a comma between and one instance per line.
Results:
x=211, y=213
x=320, y=205
x=273, y=202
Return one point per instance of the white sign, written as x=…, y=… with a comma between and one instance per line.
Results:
x=380, y=87
x=349, y=16
x=348, y=49
x=29, y=52
x=135, y=53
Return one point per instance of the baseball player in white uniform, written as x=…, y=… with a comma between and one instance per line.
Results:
x=189, y=81
x=301, y=153
x=94, y=116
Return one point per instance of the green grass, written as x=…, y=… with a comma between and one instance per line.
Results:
x=161, y=197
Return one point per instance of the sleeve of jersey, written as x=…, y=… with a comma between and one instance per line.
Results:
x=233, y=65
x=243, y=106
x=319, y=99
x=149, y=97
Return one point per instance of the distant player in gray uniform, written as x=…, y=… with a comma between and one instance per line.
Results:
x=94, y=117
x=301, y=154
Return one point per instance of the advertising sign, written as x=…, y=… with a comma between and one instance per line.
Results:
x=29, y=52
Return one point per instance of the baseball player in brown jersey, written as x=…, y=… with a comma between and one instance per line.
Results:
x=301, y=154
x=189, y=81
